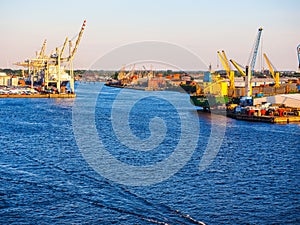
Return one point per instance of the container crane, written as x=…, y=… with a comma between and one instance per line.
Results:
x=54, y=64
x=229, y=72
x=59, y=59
x=274, y=74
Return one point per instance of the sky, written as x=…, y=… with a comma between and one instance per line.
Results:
x=200, y=26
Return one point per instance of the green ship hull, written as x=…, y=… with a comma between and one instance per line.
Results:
x=209, y=102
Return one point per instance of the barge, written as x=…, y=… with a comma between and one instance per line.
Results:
x=265, y=119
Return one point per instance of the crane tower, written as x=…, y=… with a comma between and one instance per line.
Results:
x=252, y=63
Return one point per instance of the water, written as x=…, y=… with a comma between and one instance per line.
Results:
x=45, y=178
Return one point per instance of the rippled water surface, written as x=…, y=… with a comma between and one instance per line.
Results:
x=45, y=178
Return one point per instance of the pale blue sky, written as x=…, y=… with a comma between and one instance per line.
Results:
x=200, y=26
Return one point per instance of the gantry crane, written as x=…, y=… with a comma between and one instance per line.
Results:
x=35, y=66
x=57, y=59
x=274, y=74
x=229, y=72
x=54, y=64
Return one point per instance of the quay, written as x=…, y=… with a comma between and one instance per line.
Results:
x=265, y=119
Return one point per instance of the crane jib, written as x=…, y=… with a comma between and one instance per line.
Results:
x=253, y=60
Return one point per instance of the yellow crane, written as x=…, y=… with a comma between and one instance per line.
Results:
x=229, y=72
x=274, y=74
x=237, y=67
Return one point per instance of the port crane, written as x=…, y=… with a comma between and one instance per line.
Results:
x=43, y=49
x=72, y=53
x=51, y=68
x=274, y=74
x=255, y=50
x=230, y=73
x=35, y=66
x=250, y=64
x=236, y=65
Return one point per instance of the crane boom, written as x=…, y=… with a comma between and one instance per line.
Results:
x=222, y=61
x=63, y=48
x=237, y=67
x=42, y=52
x=269, y=65
x=226, y=61
x=274, y=74
x=229, y=72
x=253, y=60
x=78, y=40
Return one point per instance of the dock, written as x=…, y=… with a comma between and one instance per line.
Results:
x=265, y=119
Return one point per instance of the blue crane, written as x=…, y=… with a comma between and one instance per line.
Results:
x=253, y=60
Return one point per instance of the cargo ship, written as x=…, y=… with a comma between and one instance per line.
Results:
x=273, y=109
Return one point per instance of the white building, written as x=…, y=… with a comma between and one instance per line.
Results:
x=289, y=100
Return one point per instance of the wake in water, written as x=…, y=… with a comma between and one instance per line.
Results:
x=71, y=185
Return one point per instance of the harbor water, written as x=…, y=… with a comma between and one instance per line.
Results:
x=46, y=178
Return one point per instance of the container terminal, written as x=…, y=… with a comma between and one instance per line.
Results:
x=227, y=90
x=44, y=76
